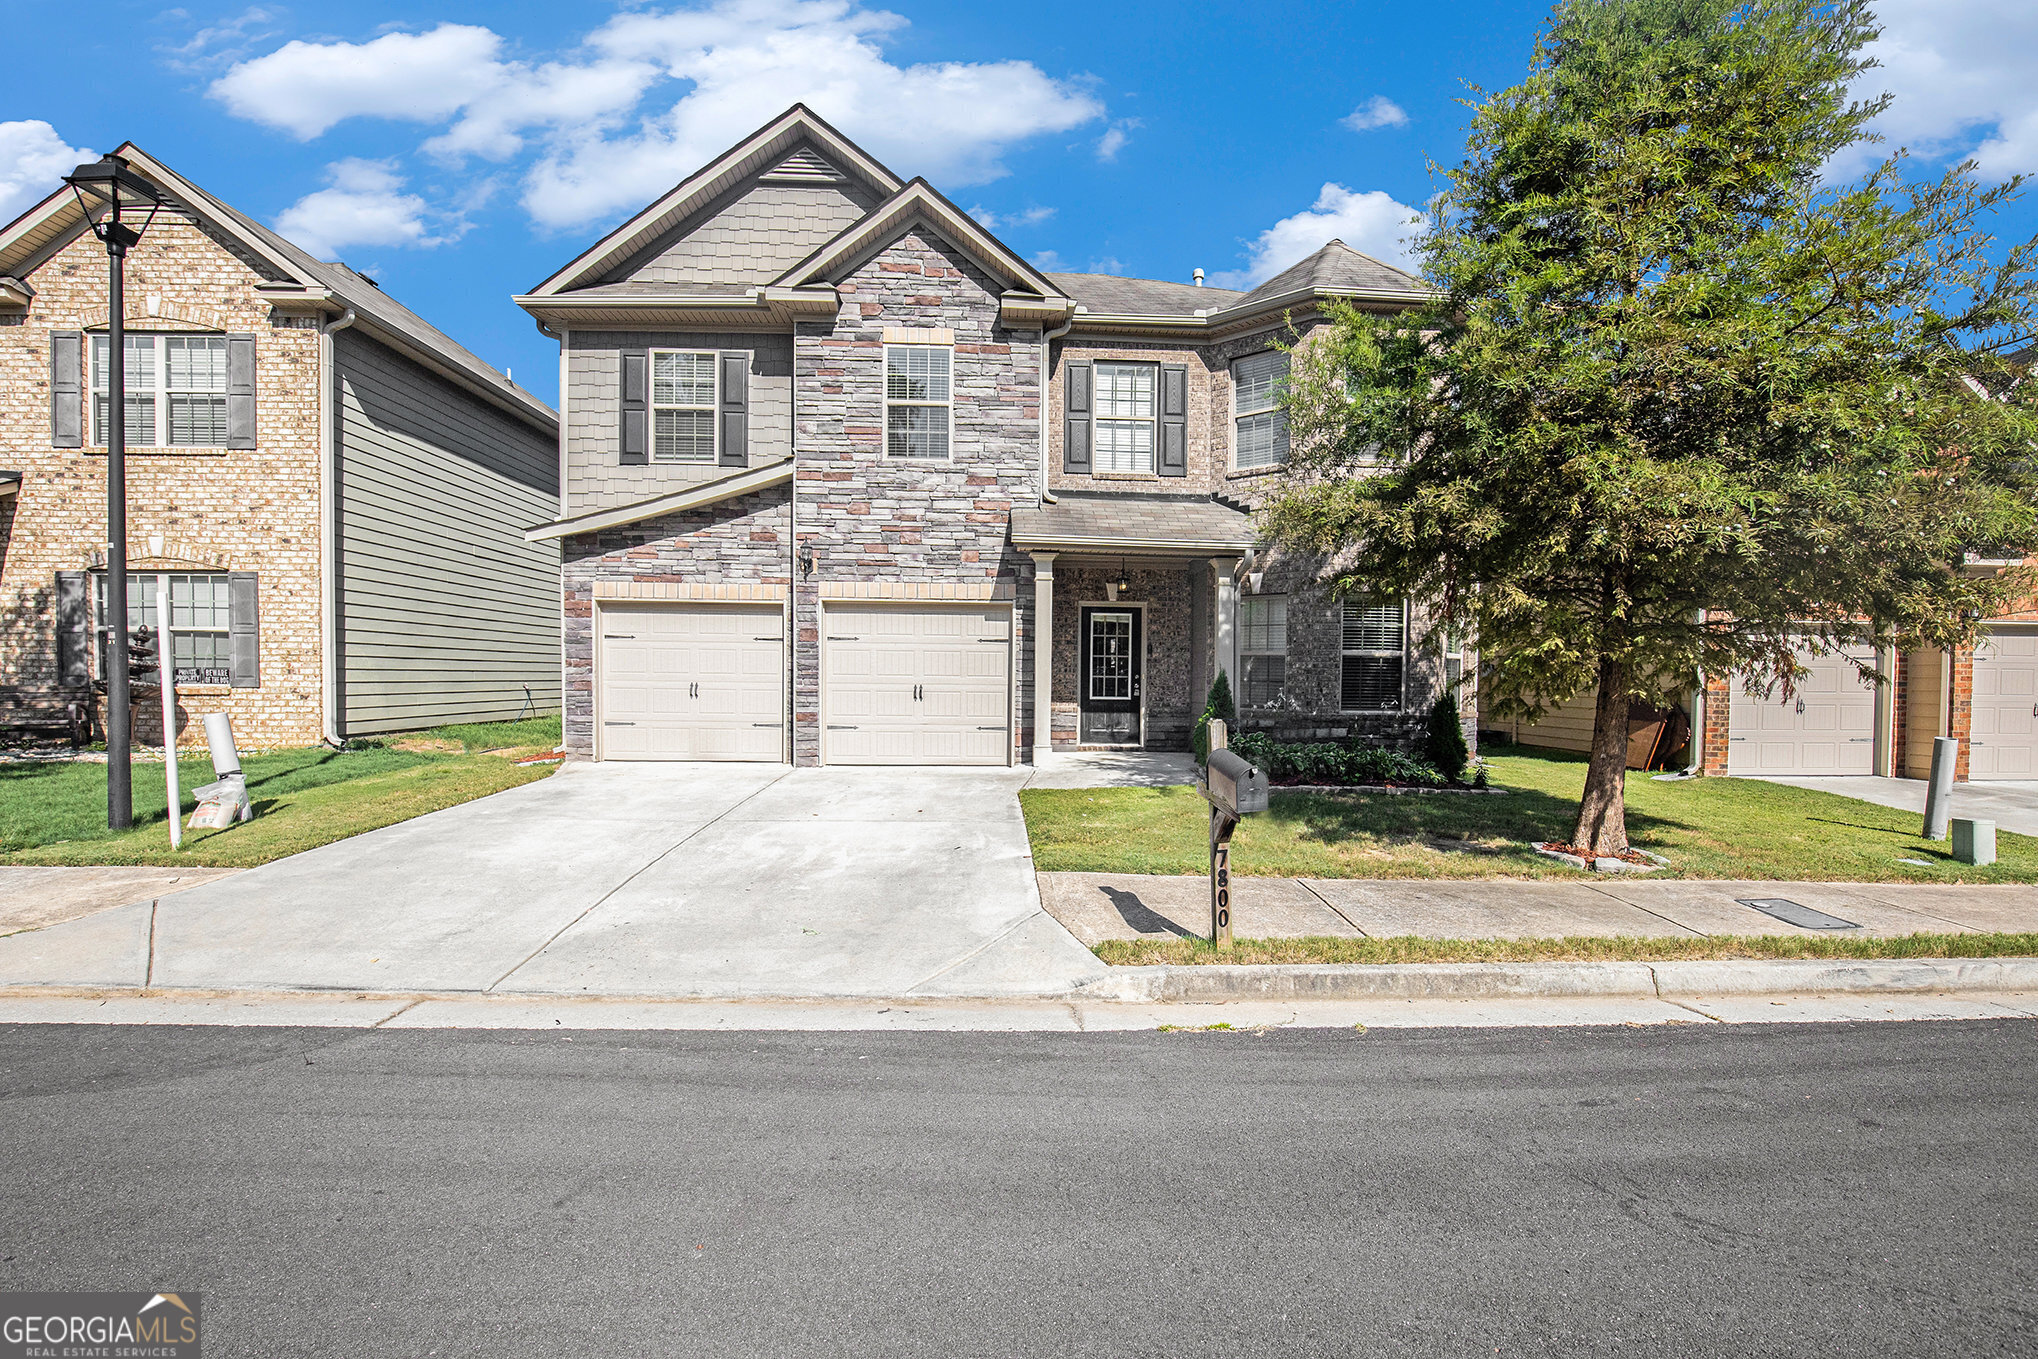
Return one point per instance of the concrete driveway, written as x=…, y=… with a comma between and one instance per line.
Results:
x=2011, y=803
x=622, y=879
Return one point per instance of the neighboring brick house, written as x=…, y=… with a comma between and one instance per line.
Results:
x=835, y=459
x=336, y=491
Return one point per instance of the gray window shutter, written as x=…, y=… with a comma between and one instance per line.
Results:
x=240, y=391
x=1080, y=405
x=636, y=446
x=67, y=389
x=74, y=629
x=1172, y=457
x=735, y=412
x=244, y=629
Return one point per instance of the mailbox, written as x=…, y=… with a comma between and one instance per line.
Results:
x=1236, y=786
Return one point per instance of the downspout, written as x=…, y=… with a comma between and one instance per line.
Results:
x=1047, y=339
x=328, y=532
x=792, y=594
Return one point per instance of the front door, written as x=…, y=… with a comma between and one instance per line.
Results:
x=1110, y=676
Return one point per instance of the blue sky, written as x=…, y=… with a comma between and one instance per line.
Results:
x=461, y=152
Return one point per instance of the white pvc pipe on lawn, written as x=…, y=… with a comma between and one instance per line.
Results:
x=166, y=670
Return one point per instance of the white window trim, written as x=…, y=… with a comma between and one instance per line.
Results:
x=1098, y=420
x=1238, y=415
x=1402, y=654
x=890, y=401
x=652, y=407
x=1246, y=652
x=141, y=598
x=159, y=392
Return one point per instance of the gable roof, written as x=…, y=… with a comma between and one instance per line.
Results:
x=1335, y=268
x=797, y=146
x=1143, y=296
x=294, y=278
x=919, y=199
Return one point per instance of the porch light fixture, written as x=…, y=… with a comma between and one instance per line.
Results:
x=106, y=189
x=1124, y=581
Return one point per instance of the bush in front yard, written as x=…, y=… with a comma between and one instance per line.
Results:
x=1217, y=707
x=1444, y=741
x=1334, y=763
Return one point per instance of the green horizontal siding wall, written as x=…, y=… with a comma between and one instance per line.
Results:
x=446, y=614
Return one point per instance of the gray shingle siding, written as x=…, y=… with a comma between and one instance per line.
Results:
x=595, y=478
x=445, y=613
x=752, y=235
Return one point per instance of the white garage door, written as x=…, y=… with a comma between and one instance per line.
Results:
x=917, y=685
x=1827, y=726
x=2003, y=741
x=691, y=682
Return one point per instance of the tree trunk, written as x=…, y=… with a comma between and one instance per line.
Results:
x=1602, y=812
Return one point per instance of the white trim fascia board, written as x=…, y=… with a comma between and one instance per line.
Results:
x=1194, y=546
x=14, y=292
x=57, y=218
x=894, y=216
x=215, y=211
x=706, y=493
x=714, y=177
x=761, y=306
x=10, y=482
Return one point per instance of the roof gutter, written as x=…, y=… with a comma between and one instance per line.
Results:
x=707, y=493
x=1118, y=542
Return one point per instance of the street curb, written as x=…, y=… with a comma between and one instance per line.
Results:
x=1488, y=981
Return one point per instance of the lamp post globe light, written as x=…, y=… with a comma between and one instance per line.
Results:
x=106, y=190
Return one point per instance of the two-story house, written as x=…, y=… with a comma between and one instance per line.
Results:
x=847, y=480
x=336, y=492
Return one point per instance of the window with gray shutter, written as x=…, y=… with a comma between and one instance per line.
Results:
x=683, y=405
x=74, y=629
x=240, y=392
x=1375, y=654
x=635, y=444
x=735, y=408
x=67, y=389
x=1077, y=387
x=244, y=629
x=1174, y=429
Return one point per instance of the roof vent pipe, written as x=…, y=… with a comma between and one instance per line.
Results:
x=1199, y=278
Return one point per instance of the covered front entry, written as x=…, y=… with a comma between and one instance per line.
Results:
x=1825, y=726
x=2003, y=735
x=1110, y=675
x=690, y=681
x=916, y=684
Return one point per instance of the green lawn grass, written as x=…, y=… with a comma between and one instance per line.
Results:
x=1706, y=828
x=55, y=813
x=1416, y=949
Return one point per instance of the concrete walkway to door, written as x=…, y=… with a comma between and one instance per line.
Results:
x=621, y=880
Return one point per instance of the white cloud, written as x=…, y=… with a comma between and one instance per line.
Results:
x=649, y=96
x=1371, y=223
x=33, y=163
x=1965, y=77
x=215, y=45
x=1049, y=260
x=1025, y=217
x=366, y=205
x=1108, y=265
x=1379, y=111
x=1114, y=138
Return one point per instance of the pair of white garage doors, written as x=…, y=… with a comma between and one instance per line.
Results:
x=900, y=684
x=1828, y=725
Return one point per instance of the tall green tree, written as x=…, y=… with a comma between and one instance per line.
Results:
x=1680, y=403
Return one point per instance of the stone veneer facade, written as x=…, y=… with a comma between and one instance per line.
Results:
x=210, y=509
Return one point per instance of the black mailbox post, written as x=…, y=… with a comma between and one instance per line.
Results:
x=1234, y=788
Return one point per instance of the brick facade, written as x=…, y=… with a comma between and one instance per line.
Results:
x=188, y=509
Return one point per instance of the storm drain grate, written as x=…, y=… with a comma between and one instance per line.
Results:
x=1791, y=913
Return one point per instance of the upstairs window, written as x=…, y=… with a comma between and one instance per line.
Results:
x=683, y=405
x=1263, y=627
x=1125, y=417
x=1261, y=426
x=176, y=391
x=917, y=401
x=1374, y=656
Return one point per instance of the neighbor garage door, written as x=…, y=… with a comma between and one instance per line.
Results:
x=1827, y=726
x=916, y=685
x=2003, y=740
x=691, y=682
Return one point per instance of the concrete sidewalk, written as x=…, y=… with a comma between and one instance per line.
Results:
x=1100, y=906
x=35, y=898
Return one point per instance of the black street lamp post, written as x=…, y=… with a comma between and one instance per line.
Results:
x=108, y=186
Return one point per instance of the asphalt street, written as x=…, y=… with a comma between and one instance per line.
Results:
x=1785, y=1190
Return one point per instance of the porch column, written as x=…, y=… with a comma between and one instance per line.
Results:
x=1043, y=654
x=1227, y=614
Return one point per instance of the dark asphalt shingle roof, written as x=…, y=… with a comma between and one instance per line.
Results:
x=1080, y=517
x=1142, y=296
x=1336, y=265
